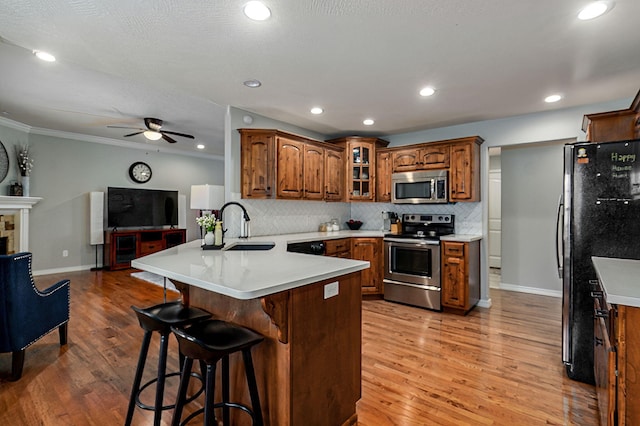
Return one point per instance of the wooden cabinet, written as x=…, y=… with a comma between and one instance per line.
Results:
x=614, y=125
x=383, y=176
x=360, y=166
x=464, y=172
x=460, y=276
x=370, y=250
x=604, y=363
x=287, y=166
x=289, y=181
x=121, y=247
x=616, y=361
x=340, y=247
x=428, y=156
x=257, y=162
x=334, y=174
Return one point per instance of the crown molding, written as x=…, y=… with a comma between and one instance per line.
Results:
x=14, y=124
x=102, y=140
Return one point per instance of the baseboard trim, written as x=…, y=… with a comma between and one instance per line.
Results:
x=63, y=270
x=530, y=290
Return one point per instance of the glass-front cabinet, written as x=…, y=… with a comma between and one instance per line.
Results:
x=362, y=173
x=360, y=166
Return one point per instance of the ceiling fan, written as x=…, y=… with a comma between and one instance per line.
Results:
x=153, y=131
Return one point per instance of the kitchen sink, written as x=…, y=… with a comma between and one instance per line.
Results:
x=251, y=245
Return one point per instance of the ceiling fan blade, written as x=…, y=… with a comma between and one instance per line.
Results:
x=184, y=135
x=167, y=138
x=133, y=134
x=121, y=127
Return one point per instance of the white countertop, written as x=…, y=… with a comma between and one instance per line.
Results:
x=463, y=238
x=620, y=279
x=255, y=273
x=249, y=274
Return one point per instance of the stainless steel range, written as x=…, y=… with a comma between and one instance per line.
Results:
x=412, y=260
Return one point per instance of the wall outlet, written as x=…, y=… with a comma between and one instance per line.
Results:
x=331, y=289
x=65, y=253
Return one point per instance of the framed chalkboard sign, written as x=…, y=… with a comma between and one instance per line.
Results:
x=4, y=162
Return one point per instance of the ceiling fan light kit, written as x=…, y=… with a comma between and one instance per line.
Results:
x=152, y=135
x=154, y=131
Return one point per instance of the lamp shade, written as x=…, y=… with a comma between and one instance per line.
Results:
x=207, y=197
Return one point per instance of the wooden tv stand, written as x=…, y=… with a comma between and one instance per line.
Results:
x=121, y=247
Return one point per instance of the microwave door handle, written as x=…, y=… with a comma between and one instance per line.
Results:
x=433, y=189
x=560, y=236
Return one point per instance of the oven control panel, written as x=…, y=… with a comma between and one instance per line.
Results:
x=426, y=219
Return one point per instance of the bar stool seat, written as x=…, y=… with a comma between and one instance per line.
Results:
x=160, y=318
x=211, y=341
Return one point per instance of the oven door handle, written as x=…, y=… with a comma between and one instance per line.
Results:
x=421, y=287
x=409, y=243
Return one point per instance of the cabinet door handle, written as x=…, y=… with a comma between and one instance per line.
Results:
x=596, y=294
x=601, y=313
x=598, y=341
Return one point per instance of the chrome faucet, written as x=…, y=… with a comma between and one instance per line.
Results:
x=244, y=227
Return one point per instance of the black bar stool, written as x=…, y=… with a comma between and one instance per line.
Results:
x=211, y=341
x=160, y=318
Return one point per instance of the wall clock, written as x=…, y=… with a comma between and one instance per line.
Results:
x=140, y=172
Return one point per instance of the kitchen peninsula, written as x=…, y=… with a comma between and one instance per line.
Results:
x=309, y=309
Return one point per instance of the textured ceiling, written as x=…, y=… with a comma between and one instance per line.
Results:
x=184, y=60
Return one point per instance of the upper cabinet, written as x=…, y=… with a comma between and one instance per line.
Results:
x=432, y=156
x=360, y=166
x=285, y=166
x=614, y=125
x=383, y=176
x=257, y=163
x=464, y=172
x=280, y=165
x=334, y=174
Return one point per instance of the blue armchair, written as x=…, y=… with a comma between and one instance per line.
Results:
x=26, y=313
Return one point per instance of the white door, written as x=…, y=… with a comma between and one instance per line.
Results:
x=495, y=218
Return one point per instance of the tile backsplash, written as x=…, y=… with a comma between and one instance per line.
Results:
x=270, y=217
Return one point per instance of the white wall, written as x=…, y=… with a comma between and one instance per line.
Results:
x=65, y=170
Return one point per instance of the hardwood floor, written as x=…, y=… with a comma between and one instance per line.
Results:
x=497, y=366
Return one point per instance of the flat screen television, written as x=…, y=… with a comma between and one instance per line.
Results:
x=138, y=208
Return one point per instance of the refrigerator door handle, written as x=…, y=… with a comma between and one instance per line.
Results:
x=560, y=238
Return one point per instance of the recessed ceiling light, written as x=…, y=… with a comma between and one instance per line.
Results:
x=427, y=91
x=200, y=146
x=316, y=110
x=252, y=83
x=595, y=9
x=151, y=135
x=368, y=122
x=257, y=11
x=552, y=98
x=48, y=57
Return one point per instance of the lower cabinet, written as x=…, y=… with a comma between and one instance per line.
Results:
x=338, y=248
x=121, y=247
x=460, y=276
x=616, y=361
x=368, y=249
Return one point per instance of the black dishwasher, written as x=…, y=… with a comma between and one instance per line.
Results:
x=307, y=247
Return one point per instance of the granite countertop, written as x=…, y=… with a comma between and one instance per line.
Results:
x=620, y=279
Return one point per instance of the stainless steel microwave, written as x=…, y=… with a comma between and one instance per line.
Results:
x=421, y=187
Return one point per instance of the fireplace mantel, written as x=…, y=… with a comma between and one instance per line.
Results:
x=21, y=207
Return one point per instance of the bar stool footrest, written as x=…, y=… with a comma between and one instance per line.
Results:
x=171, y=406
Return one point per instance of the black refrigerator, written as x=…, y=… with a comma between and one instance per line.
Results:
x=599, y=215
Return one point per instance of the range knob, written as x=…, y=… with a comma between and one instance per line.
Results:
x=440, y=218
